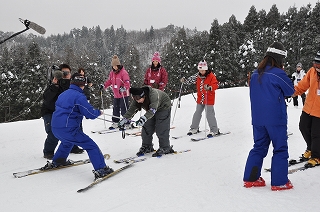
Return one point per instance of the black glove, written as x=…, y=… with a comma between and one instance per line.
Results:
x=101, y=87
x=207, y=87
x=155, y=85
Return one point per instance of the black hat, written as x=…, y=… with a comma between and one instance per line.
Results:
x=137, y=93
x=78, y=79
x=277, y=52
x=317, y=58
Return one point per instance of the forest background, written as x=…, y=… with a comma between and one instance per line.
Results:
x=232, y=50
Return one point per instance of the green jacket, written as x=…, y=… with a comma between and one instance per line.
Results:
x=155, y=100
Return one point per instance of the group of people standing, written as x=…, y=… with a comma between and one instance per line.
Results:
x=269, y=117
x=66, y=103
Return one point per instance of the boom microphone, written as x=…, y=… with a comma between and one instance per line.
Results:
x=34, y=26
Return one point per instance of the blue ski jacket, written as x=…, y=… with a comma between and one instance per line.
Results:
x=267, y=95
x=70, y=108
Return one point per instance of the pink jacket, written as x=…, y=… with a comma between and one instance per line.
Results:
x=118, y=80
x=156, y=79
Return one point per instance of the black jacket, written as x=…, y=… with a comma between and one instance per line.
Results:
x=50, y=96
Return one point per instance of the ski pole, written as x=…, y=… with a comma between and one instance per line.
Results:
x=104, y=117
x=178, y=103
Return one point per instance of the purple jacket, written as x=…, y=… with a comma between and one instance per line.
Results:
x=117, y=80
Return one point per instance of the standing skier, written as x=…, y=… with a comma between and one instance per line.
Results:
x=206, y=83
x=71, y=106
x=269, y=85
x=157, y=105
x=297, y=77
x=120, y=81
x=310, y=117
x=60, y=83
x=156, y=75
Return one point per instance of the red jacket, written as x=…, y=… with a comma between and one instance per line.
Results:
x=204, y=96
x=156, y=79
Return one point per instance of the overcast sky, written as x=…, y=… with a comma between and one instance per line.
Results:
x=59, y=16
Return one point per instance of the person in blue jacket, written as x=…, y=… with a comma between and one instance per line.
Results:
x=71, y=106
x=269, y=85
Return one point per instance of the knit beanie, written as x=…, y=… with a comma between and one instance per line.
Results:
x=137, y=92
x=277, y=52
x=317, y=58
x=78, y=79
x=299, y=65
x=156, y=57
x=115, y=61
x=202, y=65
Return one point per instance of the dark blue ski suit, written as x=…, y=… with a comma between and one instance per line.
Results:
x=71, y=106
x=269, y=120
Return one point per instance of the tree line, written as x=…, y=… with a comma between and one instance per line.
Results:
x=232, y=50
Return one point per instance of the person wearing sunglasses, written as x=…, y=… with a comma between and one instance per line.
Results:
x=156, y=119
x=309, y=124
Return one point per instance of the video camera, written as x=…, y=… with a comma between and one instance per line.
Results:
x=59, y=75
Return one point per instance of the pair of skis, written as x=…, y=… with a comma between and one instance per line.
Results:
x=293, y=170
x=41, y=169
x=202, y=138
x=73, y=163
x=141, y=158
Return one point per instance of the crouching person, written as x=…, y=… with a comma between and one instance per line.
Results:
x=71, y=106
x=157, y=105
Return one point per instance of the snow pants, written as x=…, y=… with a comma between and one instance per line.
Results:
x=159, y=123
x=119, y=106
x=72, y=136
x=210, y=114
x=263, y=136
x=309, y=127
x=295, y=99
x=51, y=141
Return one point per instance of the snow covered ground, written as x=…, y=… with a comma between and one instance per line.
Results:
x=208, y=178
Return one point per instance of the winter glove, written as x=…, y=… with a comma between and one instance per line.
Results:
x=141, y=121
x=122, y=89
x=207, y=87
x=123, y=122
x=101, y=87
x=155, y=85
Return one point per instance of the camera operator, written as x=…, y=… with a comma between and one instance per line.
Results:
x=59, y=83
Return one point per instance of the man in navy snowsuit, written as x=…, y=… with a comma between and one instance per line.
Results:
x=269, y=86
x=71, y=106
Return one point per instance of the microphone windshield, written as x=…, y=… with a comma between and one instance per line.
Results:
x=34, y=26
x=37, y=28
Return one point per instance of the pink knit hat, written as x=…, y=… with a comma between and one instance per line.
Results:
x=156, y=57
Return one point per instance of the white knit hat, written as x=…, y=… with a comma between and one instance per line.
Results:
x=202, y=65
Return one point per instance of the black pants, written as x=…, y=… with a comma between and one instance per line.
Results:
x=309, y=127
x=295, y=99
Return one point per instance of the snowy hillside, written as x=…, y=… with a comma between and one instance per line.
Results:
x=208, y=178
